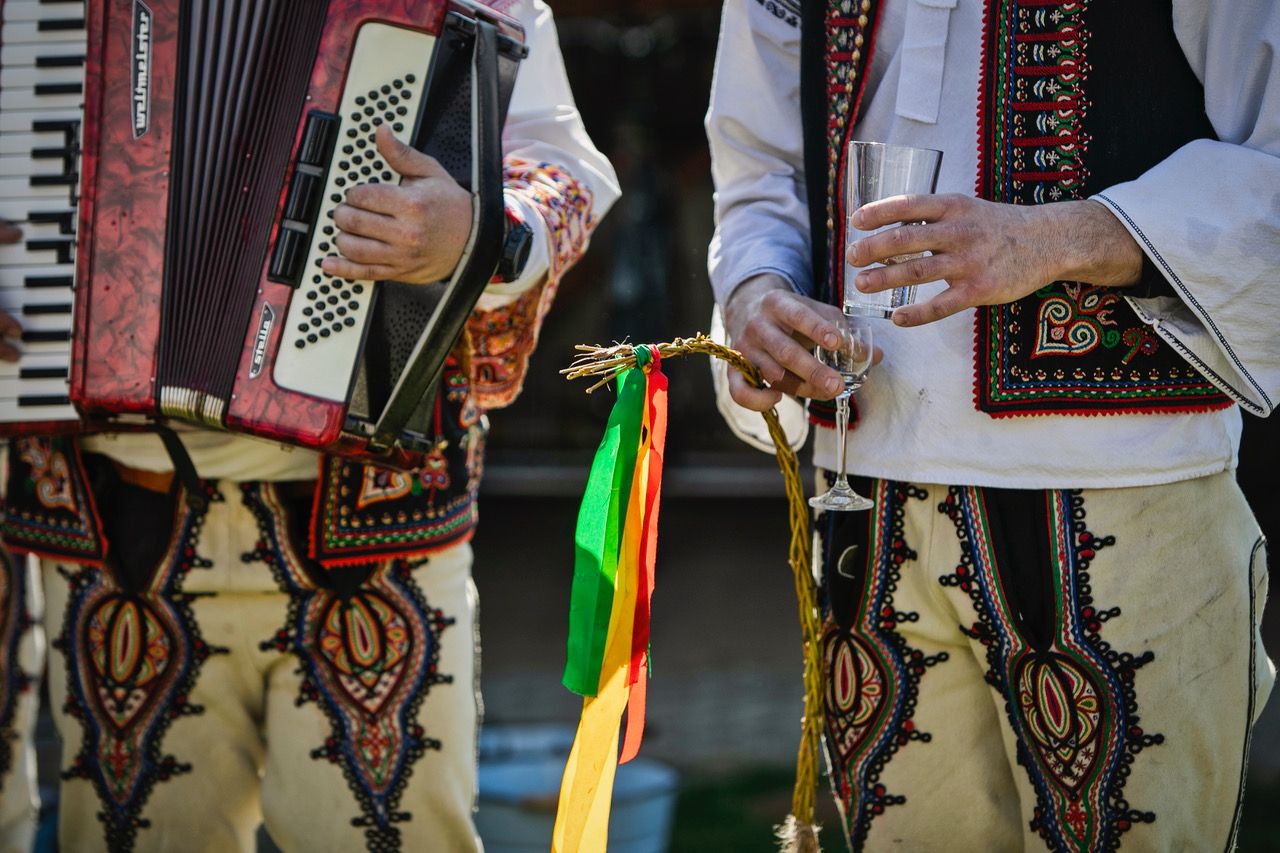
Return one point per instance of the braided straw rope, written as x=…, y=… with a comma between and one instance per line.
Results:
x=798, y=833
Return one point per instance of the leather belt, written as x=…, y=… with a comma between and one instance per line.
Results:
x=152, y=481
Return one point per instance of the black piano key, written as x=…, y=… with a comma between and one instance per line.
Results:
x=72, y=127
x=59, y=88
x=36, y=281
x=65, y=220
x=36, y=310
x=52, y=153
x=59, y=24
x=43, y=373
x=30, y=336
x=63, y=248
x=43, y=400
x=55, y=180
x=59, y=61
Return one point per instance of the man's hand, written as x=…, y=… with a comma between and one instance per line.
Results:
x=415, y=232
x=777, y=329
x=988, y=253
x=9, y=328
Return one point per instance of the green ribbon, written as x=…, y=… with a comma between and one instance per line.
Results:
x=599, y=535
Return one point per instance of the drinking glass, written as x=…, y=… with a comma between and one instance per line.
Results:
x=878, y=171
x=851, y=359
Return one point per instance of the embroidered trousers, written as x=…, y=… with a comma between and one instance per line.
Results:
x=22, y=652
x=1026, y=670
x=235, y=685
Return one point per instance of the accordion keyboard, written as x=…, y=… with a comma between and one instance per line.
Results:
x=326, y=319
x=42, y=51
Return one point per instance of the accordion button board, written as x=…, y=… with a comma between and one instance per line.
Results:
x=325, y=323
x=42, y=56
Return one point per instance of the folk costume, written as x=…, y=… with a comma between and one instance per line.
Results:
x=303, y=653
x=1045, y=633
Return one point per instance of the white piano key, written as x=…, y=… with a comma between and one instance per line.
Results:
x=17, y=386
x=40, y=244
x=48, y=361
x=30, y=99
x=43, y=325
x=23, y=188
x=39, y=33
x=29, y=76
x=25, y=121
x=13, y=54
x=22, y=209
x=37, y=10
x=24, y=143
x=19, y=165
x=35, y=276
x=39, y=298
x=10, y=412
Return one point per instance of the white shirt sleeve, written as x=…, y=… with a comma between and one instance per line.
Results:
x=757, y=152
x=544, y=126
x=1208, y=216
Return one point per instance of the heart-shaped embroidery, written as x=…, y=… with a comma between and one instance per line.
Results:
x=1062, y=331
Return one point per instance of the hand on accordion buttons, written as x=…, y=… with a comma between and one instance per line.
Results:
x=414, y=232
x=9, y=328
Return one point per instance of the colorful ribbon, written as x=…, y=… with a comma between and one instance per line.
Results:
x=613, y=579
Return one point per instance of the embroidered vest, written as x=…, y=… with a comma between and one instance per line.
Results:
x=1075, y=97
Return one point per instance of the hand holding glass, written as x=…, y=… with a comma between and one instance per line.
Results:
x=851, y=359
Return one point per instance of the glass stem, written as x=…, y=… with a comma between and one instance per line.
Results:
x=842, y=430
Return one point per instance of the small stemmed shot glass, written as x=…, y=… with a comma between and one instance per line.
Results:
x=851, y=359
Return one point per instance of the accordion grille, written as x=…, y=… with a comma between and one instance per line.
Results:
x=244, y=69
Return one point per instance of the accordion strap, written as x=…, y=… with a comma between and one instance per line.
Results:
x=426, y=365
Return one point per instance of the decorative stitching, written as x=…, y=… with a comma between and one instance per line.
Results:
x=132, y=659
x=368, y=656
x=872, y=674
x=1069, y=348
x=1072, y=705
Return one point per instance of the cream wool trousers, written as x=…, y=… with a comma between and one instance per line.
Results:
x=1030, y=670
x=233, y=690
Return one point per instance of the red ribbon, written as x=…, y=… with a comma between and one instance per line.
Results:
x=638, y=673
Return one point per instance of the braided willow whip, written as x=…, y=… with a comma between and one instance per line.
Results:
x=798, y=833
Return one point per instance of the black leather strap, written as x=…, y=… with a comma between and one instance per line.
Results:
x=425, y=367
x=184, y=470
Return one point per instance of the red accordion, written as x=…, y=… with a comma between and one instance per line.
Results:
x=218, y=136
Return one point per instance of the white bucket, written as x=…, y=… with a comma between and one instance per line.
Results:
x=520, y=770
